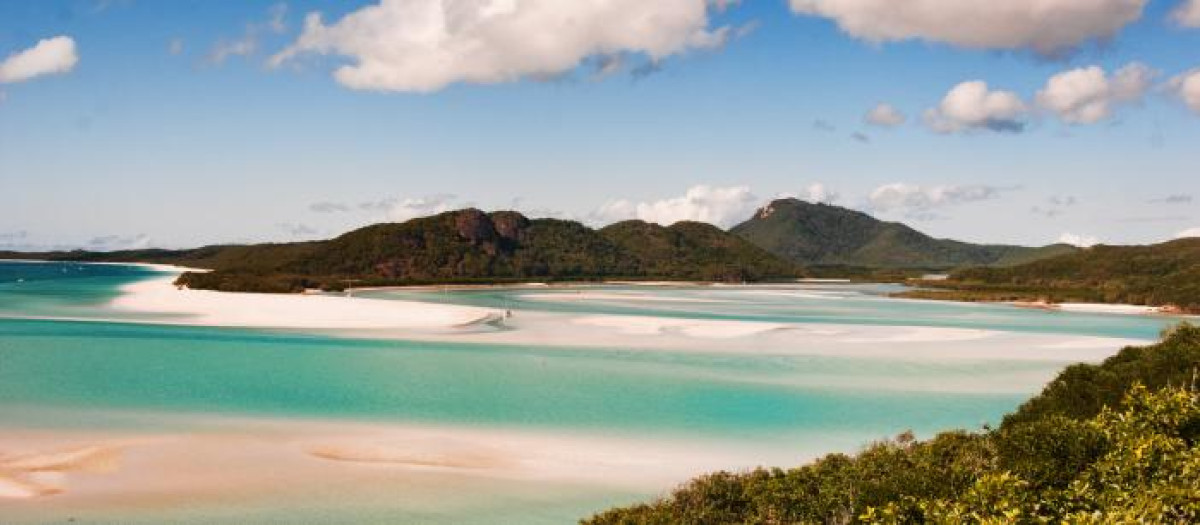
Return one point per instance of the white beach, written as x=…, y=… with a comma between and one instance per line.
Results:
x=157, y=300
x=1102, y=308
x=208, y=308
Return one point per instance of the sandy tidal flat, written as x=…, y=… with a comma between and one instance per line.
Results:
x=209, y=462
x=415, y=320
x=160, y=296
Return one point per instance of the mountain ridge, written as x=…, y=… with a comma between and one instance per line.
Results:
x=818, y=234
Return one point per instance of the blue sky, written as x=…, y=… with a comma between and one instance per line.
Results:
x=152, y=137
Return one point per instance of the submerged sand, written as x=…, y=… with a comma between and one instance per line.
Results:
x=209, y=462
x=414, y=320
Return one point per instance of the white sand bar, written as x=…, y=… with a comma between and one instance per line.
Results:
x=203, y=307
x=1099, y=308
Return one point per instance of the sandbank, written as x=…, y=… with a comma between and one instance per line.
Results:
x=203, y=307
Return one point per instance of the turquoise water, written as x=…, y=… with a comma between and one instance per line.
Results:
x=62, y=289
x=839, y=304
x=738, y=398
x=128, y=366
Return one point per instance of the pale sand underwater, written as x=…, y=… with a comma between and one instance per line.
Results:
x=209, y=462
x=413, y=320
x=263, y=468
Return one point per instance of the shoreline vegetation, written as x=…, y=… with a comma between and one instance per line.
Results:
x=1164, y=277
x=1107, y=443
x=472, y=248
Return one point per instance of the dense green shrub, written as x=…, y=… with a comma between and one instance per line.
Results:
x=1108, y=443
x=1166, y=274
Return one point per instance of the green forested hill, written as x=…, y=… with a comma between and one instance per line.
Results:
x=694, y=250
x=822, y=234
x=470, y=246
x=1166, y=274
x=1117, y=442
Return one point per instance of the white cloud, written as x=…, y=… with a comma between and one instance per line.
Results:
x=411, y=208
x=1046, y=26
x=223, y=49
x=277, y=23
x=818, y=193
x=918, y=201
x=884, y=115
x=329, y=207
x=972, y=106
x=49, y=57
x=426, y=45
x=722, y=207
x=1088, y=95
x=1188, y=233
x=117, y=242
x=297, y=229
x=1187, y=14
x=1082, y=241
x=248, y=43
x=1055, y=206
x=1187, y=87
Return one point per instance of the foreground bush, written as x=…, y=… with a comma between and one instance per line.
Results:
x=1109, y=443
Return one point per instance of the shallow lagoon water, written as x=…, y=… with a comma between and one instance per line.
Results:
x=114, y=374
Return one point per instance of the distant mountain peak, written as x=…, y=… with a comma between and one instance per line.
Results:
x=824, y=234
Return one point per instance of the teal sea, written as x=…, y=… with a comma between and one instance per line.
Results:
x=67, y=364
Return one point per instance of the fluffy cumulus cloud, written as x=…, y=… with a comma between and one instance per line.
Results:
x=1046, y=26
x=1188, y=233
x=425, y=45
x=1088, y=95
x=1187, y=14
x=1074, y=239
x=919, y=202
x=49, y=57
x=723, y=207
x=884, y=115
x=1187, y=87
x=974, y=106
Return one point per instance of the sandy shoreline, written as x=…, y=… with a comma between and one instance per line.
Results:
x=158, y=301
x=203, y=307
x=1099, y=308
x=395, y=319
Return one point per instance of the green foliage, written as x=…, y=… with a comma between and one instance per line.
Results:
x=1124, y=448
x=821, y=234
x=1081, y=391
x=693, y=250
x=1166, y=274
x=469, y=246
